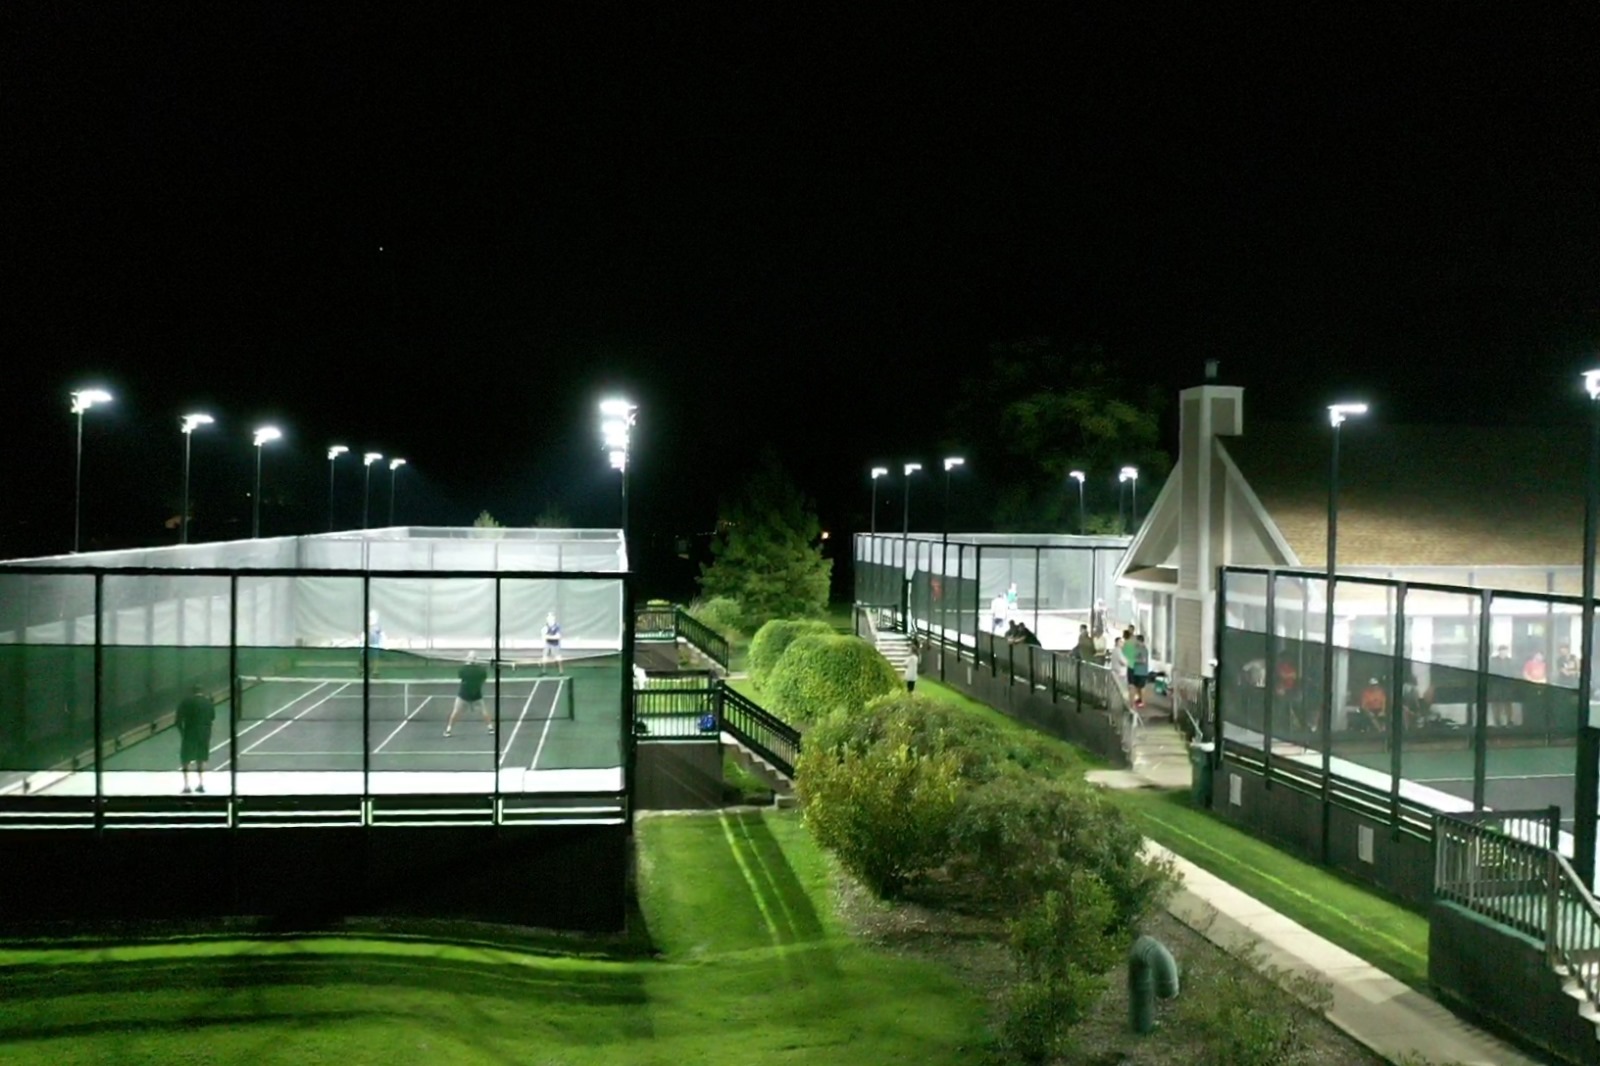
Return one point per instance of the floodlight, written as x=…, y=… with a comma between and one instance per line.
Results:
x=619, y=459
x=336, y=451
x=1128, y=473
x=951, y=463
x=879, y=471
x=84, y=399
x=617, y=408
x=1077, y=475
x=615, y=433
x=267, y=433
x=1591, y=382
x=191, y=422
x=371, y=457
x=396, y=463
x=912, y=468
x=1337, y=412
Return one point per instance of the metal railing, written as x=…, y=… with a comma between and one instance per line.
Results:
x=655, y=622
x=760, y=730
x=1520, y=884
x=679, y=624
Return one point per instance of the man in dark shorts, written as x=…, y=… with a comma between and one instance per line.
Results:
x=194, y=718
x=470, y=693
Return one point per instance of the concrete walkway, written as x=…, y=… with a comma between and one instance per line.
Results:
x=1373, y=1008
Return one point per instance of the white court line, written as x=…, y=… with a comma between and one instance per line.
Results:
x=278, y=730
x=402, y=725
x=263, y=721
x=1497, y=777
x=525, y=705
x=545, y=732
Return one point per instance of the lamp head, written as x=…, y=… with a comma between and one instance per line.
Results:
x=879, y=471
x=83, y=399
x=267, y=433
x=1128, y=473
x=396, y=464
x=614, y=431
x=618, y=459
x=371, y=457
x=953, y=462
x=336, y=451
x=912, y=468
x=1591, y=383
x=618, y=408
x=190, y=422
x=1338, y=412
x=1076, y=475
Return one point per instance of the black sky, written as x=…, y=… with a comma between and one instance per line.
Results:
x=766, y=222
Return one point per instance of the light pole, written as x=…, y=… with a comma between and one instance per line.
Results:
x=1130, y=474
x=1337, y=413
x=1586, y=804
x=366, y=485
x=188, y=424
x=944, y=552
x=333, y=453
x=263, y=435
x=1079, y=476
x=905, y=545
x=877, y=472
x=394, y=470
x=82, y=400
x=617, y=419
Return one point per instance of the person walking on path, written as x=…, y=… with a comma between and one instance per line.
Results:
x=911, y=670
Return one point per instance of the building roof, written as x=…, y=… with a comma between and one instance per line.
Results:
x=1422, y=495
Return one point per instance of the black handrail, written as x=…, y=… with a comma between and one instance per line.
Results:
x=655, y=620
x=760, y=730
x=702, y=636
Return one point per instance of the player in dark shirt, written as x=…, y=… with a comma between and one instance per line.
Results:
x=194, y=718
x=470, y=693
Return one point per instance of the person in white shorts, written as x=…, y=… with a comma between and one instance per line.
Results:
x=552, y=642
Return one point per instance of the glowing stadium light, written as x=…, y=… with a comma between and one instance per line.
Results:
x=82, y=400
x=617, y=418
x=1338, y=412
x=366, y=485
x=953, y=462
x=394, y=470
x=371, y=457
x=192, y=422
x=264, y=435
x=334, y=451
x=188, y=424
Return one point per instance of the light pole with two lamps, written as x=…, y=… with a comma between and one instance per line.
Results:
x=1337, y=414
x=366, y=486
x=188, y=424
x=333, y=453
x=1079, y=477
x=82, y=400
x=617, y=418
x=394, y=470
x=262, y=436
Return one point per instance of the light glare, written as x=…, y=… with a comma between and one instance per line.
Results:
x=336, y=451
x=83, y=399
x=190, y=422
x=395, y=464
x=952, y=463
x=1591, y=383
x=370, y=458
x=1337, y=412
x=267, y=433
x=879, y=471
x=912, y=468
x=1076, y=475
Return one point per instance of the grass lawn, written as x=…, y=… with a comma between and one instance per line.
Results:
x=1386, y=934
x=752, y=968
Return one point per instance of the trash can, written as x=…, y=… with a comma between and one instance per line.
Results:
x=1159, y=680
x=1200, y=772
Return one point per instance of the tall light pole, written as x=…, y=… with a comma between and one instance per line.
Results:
x=188, y=424
x=82, y=400
x=617, y=419
x=333, y=453
x=1079, y=477
x=263, y=435
x=1337, y=413
x=877, y=472
x=905, y=545
x=1130, y=474
x=366, y=485
x=394, y=470
x=1586, y=805
x=950, y=464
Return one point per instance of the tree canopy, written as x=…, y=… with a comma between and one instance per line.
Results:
x=1041, y=410
x=768, y=552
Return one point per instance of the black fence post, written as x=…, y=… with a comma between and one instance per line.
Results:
x=1219, y=623
x=99, y=684
x=1480, y=732
x=1397, y=709
x=1270, y=664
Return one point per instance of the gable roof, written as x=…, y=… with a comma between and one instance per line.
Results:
x=1422, y=495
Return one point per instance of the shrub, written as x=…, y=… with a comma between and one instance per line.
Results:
x=1062, y=953
x=1020, y=837
x=1250, y=1019
x=773, y=639
x=721, y=614
x=887, y=811
x=818, y=674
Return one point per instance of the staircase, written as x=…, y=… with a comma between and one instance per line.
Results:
x=1160, y=754
x=782, y=787
x=896, y=647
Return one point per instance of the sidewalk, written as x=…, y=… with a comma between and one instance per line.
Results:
x=1373, y=1008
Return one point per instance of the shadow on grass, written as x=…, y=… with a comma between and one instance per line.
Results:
x=784, y=902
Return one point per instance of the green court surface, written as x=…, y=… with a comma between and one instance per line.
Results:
x=1530, y=777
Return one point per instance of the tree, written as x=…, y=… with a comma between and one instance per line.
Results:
x=768, y=551
x=553, y=516
x=1040, y=411
x=485, y=520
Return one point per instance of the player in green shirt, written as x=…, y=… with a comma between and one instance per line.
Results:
x=194, y=718
x=470, y=693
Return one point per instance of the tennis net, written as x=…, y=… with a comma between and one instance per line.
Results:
x=396, y=699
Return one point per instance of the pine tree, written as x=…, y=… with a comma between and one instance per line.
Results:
x=768, y=552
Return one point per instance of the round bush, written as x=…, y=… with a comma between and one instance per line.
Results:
x=819, y=674
x=773, y=639
x=722, y=614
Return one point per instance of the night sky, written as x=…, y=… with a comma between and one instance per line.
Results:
x=446, y=231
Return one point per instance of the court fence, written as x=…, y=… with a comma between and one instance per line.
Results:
x=658, y=622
